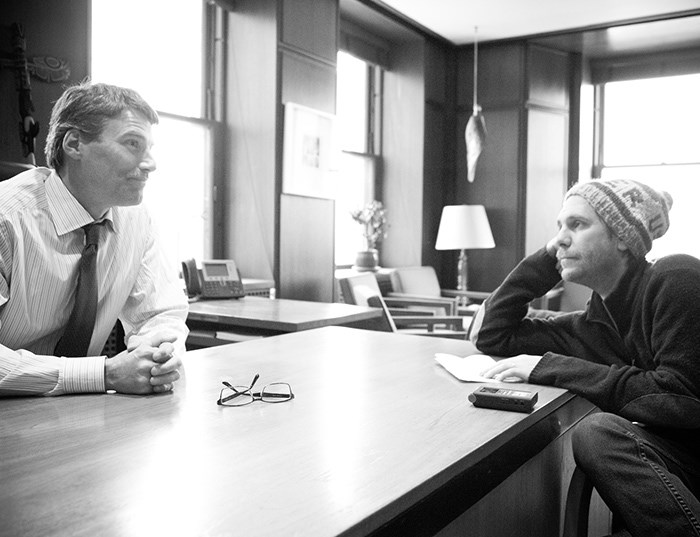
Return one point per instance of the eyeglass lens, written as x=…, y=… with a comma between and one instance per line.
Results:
x=276, y=392
x=236, y=396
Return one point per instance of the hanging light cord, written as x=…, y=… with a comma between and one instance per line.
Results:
x=476, y=58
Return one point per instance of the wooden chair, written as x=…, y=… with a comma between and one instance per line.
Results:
x=577, y=509
x=578, y=500
x=422, y=282
x=10, y=169
x=363, y=290
x=115, y=341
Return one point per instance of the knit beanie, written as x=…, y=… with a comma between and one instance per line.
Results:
x=635, y=212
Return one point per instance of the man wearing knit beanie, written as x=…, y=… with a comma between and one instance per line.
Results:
x=636, y=213
x=634, y=351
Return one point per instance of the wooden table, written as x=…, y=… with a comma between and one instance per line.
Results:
x=379, y=440
x=251, y=316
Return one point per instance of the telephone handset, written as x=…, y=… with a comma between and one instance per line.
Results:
x=218, y=278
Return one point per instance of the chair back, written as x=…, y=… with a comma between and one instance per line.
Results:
x=10, y=169
x=363, y=290
x=420, y=281
x=376, y=301
x=357, y=288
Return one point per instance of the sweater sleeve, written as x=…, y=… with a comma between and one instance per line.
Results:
x=502, y=326
x=656, y=378
x=649, y=373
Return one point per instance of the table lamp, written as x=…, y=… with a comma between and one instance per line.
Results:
x=464, y=227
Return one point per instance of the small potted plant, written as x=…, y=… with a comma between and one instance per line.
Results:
x=372, y=218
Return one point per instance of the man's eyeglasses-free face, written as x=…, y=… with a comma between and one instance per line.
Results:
x=276, y=392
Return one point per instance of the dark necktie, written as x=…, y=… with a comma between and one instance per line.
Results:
x=76, y=337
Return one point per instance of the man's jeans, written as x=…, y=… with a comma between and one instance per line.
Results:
x=651, y=482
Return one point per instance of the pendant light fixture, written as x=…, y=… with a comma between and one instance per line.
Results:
x=475, y=134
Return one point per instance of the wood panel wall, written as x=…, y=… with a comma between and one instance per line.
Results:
x=279, y=52
x=402, y=154
x=522, y=174
x=289, y=48
x=307, y=248
x=439, y=144
x=307, y=51
x=523, y=89
x=250, y=207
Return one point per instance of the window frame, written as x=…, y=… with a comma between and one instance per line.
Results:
x=373, y=136
x=211, y=116
x=673, y=175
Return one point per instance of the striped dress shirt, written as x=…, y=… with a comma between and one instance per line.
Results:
x=41, y=241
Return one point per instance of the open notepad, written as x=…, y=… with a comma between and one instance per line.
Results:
x=467, y=368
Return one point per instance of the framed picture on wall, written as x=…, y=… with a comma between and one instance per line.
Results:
x=310, y=162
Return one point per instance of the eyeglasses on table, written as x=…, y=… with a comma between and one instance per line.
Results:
x=275, y=392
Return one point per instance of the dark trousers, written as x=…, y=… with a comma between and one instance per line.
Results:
x=649, y=478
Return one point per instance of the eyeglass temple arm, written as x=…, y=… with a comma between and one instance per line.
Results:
x=273, y=395
x=228, y=385
x=255, y=379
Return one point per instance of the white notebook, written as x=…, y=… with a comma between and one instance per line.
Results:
x=467, y=368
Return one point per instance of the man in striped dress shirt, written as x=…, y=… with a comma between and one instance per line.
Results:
x=99, y=152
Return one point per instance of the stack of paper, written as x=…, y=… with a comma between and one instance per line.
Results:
x=468, y=368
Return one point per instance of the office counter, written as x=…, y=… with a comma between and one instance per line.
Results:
x=379, y=440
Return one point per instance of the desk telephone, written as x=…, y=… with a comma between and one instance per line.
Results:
x=218, y=278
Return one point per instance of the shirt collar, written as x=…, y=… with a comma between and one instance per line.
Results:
x=66, y=212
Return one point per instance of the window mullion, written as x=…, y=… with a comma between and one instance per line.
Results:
x=598, y=131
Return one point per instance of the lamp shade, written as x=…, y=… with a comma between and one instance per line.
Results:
x=464, y=227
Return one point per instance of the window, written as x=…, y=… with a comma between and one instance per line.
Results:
x=650, y=133
x=163, y=61
x=357, y=124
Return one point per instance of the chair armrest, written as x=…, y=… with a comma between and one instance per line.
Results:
x=405, y=300
x=468, y=310
x=469, y=295
x=430, y=322
x=406, y=312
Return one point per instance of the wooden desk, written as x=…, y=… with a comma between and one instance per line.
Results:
x=256, y=316
x=379, y=440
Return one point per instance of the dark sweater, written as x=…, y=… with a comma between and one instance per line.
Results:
x=635, y=354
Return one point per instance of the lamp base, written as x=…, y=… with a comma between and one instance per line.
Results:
x=462, y=284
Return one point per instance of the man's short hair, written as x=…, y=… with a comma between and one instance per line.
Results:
x=86, y=107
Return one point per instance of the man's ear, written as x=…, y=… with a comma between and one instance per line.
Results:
x=71, y=144
x=621, y=246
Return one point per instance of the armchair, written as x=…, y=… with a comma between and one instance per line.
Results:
x=421, y=282
x=363, y=290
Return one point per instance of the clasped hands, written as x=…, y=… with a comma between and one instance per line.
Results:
x=152, y=366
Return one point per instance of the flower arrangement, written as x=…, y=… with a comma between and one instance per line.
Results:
x=373, y=220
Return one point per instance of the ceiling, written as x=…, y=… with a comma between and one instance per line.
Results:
x=593, y=27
